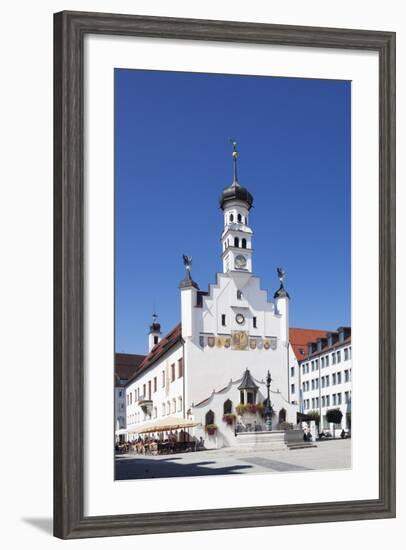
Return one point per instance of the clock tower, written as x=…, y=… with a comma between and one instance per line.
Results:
x=236, y=239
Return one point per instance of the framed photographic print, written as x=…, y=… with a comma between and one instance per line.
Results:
x=224, y=257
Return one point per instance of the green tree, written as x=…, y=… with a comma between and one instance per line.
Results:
x=334, y=416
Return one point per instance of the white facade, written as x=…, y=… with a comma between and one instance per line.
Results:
x=326, y=380
x=120, y=410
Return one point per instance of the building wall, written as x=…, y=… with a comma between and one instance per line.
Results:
x=167, y=400
x=332, y=382
x=212, y=368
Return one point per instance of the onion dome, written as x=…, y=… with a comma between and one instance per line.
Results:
x=235, y=191
x=155, y=326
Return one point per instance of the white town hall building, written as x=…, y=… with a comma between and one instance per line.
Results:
x=212, y=367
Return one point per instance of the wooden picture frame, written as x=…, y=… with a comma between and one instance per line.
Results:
x=70, y=29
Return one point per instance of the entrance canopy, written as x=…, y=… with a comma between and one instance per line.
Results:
x=164, y=425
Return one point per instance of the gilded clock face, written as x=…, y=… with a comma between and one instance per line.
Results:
x=240, y=318
x=240, y=261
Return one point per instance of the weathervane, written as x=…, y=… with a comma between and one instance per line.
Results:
x=281, y=275
x=235, y=157
x=187, y=261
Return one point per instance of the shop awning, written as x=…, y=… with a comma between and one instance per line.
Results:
x=163, y=425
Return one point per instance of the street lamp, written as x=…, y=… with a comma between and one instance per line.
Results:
x=268, y=407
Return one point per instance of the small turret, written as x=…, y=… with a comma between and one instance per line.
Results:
x=282, y=298
x=154, y=335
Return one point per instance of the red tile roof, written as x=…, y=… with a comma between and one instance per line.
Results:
x=159, y=349
x=300, y=337
x=125, y=364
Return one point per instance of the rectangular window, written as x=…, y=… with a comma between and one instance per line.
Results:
x=338, y=356
x=346, y=354
x=323, y=382
x=163, y=378
x=144, y=391
x=292, y=371
x=180, y=367
x=131, y=398
x=316, y=383
x=317, y=402
x=322, y=362
x=223, y=319
x=327, y=380
x=313, y=384
x=327, y=400
x=333, y=358
x=347, y=397
x=334, y=399
x=312, y=365
x=304, y=369
x=155, y=384
x=312, y=402
x=316, y=363
x=149, y=389
x=327, y=361
x=338, y=377
x=346, y=376
x=338, y=398
x=334, y=379
x=323, y=401
x=173, y=372
x=254, y=322
x=304, y=386
x=292, y=388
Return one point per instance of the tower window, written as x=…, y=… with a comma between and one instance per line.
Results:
x=254, y=322
x=236, y=242
x=223, y=319
x=244, y=243
x=239, y=294
x=239, y=218
x=155, y=340
x=231, y=218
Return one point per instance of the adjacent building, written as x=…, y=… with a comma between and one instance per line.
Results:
x=323, y=373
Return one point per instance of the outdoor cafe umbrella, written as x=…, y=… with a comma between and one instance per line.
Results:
x=165, y=425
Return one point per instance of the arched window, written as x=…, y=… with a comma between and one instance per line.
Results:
x=282, y=416
x=228, y=406
x=244, y=243
x=231, y=218
x=236, y=241
x=239, y=218
x=209, y=418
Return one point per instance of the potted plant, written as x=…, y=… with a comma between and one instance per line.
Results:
x=241, y=409
x=211, y=429
x=229, y=418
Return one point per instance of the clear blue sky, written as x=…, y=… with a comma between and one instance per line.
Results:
x=173, y=159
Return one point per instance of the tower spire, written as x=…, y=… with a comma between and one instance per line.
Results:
x=235, y=161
